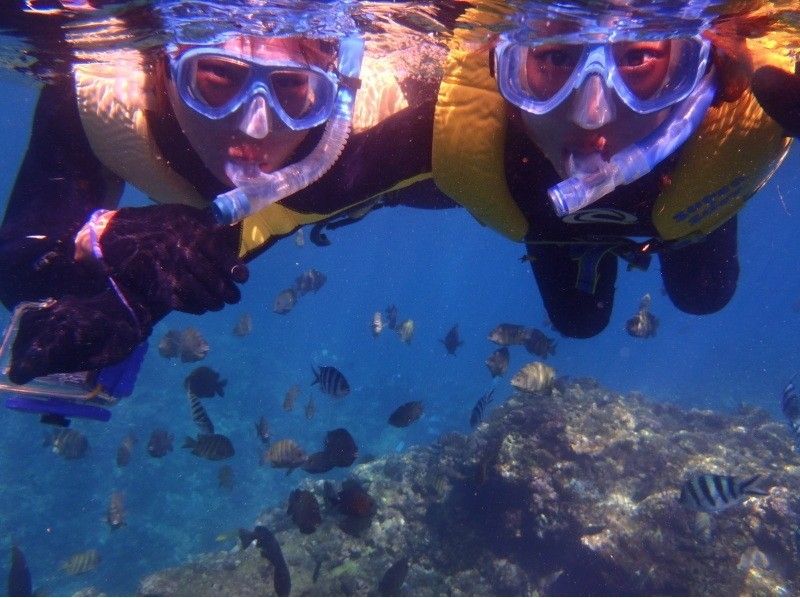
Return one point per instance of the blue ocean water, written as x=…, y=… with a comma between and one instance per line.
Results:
x=439, y=269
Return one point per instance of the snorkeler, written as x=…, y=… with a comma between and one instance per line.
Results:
x=241, y=118
x=590, y=147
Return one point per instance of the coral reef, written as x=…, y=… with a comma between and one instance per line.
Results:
x=572, y=491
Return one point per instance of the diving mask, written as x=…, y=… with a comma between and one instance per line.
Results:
x=217, y=83
x=647, y=76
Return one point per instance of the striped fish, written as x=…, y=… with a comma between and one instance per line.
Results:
x=200, y=416
x=790, y=405
x=331, y=380
x=82, y=562
x=713, y=493
x=477, y=411
x=214, y=447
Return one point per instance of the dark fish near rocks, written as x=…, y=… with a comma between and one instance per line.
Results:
x=304, y=511
x=644, y=324
x=354, y=501
x=476, y=416
x=200, y=416
x=540, y=344
x=225, y=477
x=393, y=579
x=204, y=382
x=160, y=443
x=319, y=462
x=311, y=280
x=125, y=450
x=115, y=515
x=452, y=341
x=285, y=301
x=340, y=447
x=331, y=381
x=67, y=443
x=790, y=405
x=214, y=447
x=262, y=431
x=509, y=334
x=713, y=493
x=406, y=414
x=81, y=562
x=244, y=325
x=497, y=362
x=19, y=576
x=311, y=408
x=291, y=397
x=188, y=344
x=285, y=454
x=270, y=550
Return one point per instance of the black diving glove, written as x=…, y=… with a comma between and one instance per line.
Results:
x=76, y=334
x=778, y=92
x=174, y=257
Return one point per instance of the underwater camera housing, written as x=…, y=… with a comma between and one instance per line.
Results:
x=58, y=397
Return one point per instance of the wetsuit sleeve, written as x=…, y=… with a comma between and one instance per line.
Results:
x=59, y=184
x=373, y=161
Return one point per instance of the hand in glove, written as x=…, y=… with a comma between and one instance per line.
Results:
x=173, y=257
x=778, y=92
x=76, y=334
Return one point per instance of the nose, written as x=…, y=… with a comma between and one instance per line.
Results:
x=255, y=120
x=593, y=105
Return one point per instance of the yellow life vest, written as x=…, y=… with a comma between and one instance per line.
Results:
x=733, y=153
x=114, y=93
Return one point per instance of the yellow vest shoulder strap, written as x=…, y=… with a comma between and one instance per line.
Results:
x=113, y=95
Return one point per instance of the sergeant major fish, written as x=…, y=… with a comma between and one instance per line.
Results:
x=644, y=324
x=510, y=334
x=115, y=515
x=406, y=414
x=262, y=431
x=377, y=323
x=477, y=411
x=713, y=493
x=68, y=443
x=497, y=362
x=81, y=562
x=331, y=381
x=291, y=397
x=160, y=443
x=200, y=416
x=125, y=449
x=452, y=341
x=790, y=405
x=406, y=331
x=214, y=447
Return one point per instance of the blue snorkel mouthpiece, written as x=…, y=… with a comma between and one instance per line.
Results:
x=635, y=161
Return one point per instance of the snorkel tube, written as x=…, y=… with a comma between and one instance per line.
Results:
x=246, y=199
x=635, y=161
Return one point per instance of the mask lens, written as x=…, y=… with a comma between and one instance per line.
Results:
x=297, y=91
x=548, y=68
x=644, y=66
x=218, y=80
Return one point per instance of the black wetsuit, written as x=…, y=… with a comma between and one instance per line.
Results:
x=61, y=182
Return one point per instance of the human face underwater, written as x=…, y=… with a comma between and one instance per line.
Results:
x=247, y=104
x=584, y=103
